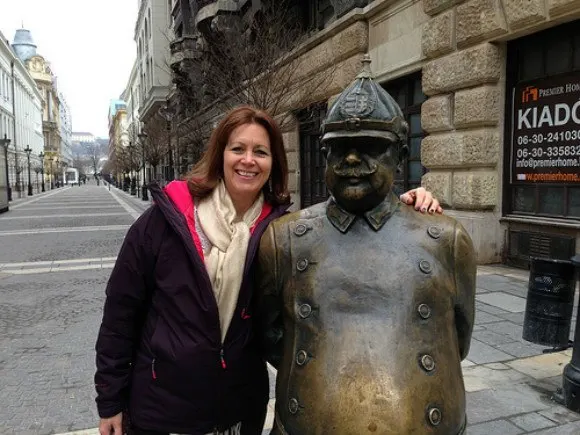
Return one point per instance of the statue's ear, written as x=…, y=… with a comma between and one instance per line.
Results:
x=403, y=153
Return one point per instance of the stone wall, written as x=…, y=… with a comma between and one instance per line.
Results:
x=462, y=76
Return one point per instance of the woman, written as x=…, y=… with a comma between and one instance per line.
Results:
x=175, y=347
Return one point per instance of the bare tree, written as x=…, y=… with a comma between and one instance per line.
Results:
x=253, y=59
x=255, y=62
x=156, y=145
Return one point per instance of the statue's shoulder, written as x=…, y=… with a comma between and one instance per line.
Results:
x=312, y=212
x=412, y=216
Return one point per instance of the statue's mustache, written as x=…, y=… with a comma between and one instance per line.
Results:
x=354, y=172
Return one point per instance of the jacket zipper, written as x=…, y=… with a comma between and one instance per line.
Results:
x=153, y=373
x=223, y=361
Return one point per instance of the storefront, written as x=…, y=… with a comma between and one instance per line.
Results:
x=541, y=195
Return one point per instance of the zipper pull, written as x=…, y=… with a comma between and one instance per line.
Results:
x=223, y=361
x=153, y=374
x=245, y=315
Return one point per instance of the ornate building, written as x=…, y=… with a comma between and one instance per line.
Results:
x=20, y=118
x=40, y=70
x=490, y=91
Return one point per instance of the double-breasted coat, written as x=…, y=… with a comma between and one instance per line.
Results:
x=367, y=319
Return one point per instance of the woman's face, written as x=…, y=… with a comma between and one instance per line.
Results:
x=247, y=162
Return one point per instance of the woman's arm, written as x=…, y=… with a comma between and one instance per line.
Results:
x=123, y=317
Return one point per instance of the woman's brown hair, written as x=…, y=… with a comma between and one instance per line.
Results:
x=205, y=175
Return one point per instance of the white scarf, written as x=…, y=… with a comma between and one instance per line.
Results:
x=229, y=238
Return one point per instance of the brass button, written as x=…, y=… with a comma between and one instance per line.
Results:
x=425, y=266
x=301, y=358
x=434, y=416
x=424, y=311
x=302, y=265
x=293, y=406
x=300, y=230
x=304, y=310
x=434, y=231
x=428, y=362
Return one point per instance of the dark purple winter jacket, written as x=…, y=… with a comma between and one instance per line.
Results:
x=159, y=350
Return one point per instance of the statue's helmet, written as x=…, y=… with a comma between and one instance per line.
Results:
x=365, y=110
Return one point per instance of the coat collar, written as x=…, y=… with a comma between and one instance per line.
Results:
x=376, y=218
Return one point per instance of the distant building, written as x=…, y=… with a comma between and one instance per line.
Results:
x=20, y=117
x=56, y=121
x=65, y=129
x=118, y=137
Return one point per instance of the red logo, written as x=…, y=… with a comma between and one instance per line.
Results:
x=530, y=94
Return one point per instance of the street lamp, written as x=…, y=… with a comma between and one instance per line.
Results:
x=142, y=138
x=5, y=143
x=41, y=155
x=56, y=163
x=28, y=150
x=51, y=159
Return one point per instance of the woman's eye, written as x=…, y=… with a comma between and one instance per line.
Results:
x=261, y=153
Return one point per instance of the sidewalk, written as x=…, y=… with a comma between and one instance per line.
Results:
x=509, y=381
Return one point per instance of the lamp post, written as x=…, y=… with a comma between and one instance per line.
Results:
x=142, y=139
x=5, y=143
x=57, y=167
x=51, y=159
x=28, y=150
x=63, y=166
x=41, y=155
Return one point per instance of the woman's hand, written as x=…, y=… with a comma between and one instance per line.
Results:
x=422, y=200
x=112, y=425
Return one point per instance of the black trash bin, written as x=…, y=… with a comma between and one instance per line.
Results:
x=550, y=302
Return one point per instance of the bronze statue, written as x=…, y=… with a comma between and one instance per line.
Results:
x=366, y=306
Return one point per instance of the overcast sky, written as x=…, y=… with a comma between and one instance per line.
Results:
x=89, y=44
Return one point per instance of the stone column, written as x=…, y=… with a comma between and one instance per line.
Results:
x=462, y=114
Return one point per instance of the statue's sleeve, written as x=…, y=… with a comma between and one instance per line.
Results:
x=269, y=301
x=465, y=273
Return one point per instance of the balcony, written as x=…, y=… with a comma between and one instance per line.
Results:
x=210, y=9
x=185, y=48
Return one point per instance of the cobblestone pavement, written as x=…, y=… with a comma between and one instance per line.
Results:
x=52, y=278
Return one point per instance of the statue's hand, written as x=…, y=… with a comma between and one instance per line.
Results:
x=422, y=199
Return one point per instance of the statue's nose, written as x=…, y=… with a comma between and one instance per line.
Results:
x=352, y=158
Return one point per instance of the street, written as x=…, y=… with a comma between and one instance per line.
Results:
x=57, y=251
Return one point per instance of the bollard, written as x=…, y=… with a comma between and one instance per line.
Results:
x=569, y=394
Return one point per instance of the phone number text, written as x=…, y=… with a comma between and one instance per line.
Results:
x=552, y=137
x=561, y=151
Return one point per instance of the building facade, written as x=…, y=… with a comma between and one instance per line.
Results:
x=56, y=121
x=65, y=126
x=490, y=91
x=118, y=139
x=153, y=33
x=132, y=96
x=20, y=120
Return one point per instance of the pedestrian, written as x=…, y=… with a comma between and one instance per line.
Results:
x=175, y=350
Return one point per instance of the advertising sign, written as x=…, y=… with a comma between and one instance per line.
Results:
x=546, y=131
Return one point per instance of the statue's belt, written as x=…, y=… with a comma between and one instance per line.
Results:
x=282, y=430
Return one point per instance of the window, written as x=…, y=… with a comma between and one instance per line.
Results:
x=312, y=159
x=551, y=53
x=408, y=93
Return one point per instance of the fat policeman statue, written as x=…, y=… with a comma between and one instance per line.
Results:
x=366, y=307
